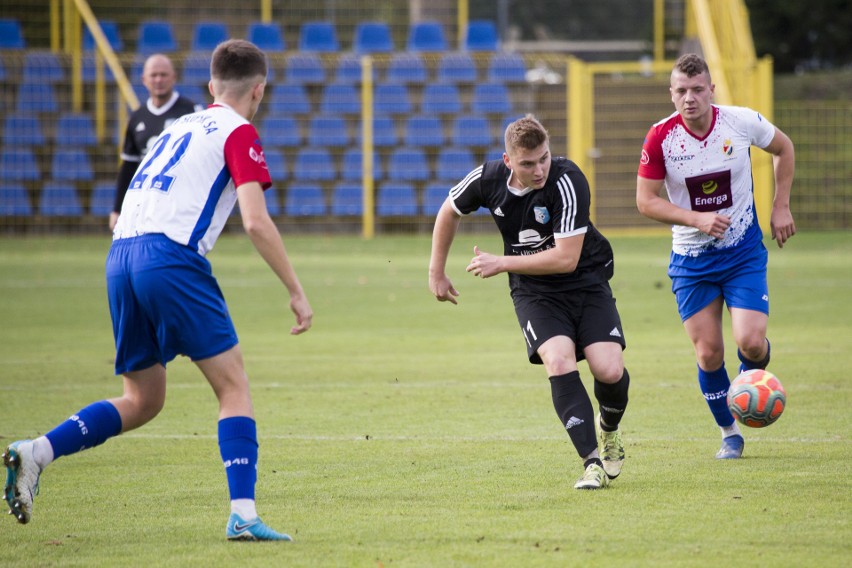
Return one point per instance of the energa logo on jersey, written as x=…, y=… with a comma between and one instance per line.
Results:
x=542, y=215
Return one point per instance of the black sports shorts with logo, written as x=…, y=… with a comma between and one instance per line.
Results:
x=586, y=316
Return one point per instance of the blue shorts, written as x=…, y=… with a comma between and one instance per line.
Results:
x=738, y=275
x=164, y=302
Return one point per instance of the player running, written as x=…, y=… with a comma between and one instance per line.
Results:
x=702, y=154
x=163, y=298
x=559, y=266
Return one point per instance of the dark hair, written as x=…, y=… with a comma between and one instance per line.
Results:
x=691, y=64
x=527, y=133
x=237, y=60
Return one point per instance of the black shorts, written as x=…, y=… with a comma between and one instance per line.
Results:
x=585, y=316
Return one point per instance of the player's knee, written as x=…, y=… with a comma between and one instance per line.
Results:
x=753, y=348
x=609, y=373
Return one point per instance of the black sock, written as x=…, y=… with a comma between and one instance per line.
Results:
x=574, y=408
x=612, y=400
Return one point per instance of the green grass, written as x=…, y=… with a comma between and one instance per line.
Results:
x=404, y=432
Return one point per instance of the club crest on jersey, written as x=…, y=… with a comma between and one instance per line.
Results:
x=727, y=147
x=542, y=215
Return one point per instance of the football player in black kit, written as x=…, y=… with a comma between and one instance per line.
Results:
x=147, y=122
x=559, y=266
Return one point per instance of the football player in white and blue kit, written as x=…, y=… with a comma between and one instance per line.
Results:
x=163, y=298
x=701, y=153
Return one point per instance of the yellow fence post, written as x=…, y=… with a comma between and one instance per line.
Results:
x=368, y=221
x=762, y=172
x=581, y=120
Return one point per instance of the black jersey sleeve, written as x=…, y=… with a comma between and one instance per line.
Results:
x=466, y=196
x=572, y=201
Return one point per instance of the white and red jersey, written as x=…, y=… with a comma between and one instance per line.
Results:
x=710, y=173
x=185, y=187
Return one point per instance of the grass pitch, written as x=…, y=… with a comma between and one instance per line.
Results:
x=404, y=432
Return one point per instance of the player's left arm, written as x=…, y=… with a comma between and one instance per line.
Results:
x=783, y=164
x=266, y=239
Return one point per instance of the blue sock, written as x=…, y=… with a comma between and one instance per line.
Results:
x=238, y=447
x=90, y=427
x=715, y=387
x=748, y=364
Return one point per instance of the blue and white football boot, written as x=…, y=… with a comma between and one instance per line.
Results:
x=22, y=475
x=238, y=529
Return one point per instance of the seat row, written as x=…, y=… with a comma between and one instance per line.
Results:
x=404, y=163
x=316, y=36
x=59, y=198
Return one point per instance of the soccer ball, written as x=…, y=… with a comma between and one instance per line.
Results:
x=756, y=398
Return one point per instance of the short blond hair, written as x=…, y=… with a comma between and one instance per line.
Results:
x=527, y=133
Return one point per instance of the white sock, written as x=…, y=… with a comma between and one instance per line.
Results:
x=244, y=508
x=732, y=430
x=42, y=451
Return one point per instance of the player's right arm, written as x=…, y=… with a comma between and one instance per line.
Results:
x=446, y=226
x=653, y=206
x=266, y=239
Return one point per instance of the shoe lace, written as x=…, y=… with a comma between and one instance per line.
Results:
x=612, y=444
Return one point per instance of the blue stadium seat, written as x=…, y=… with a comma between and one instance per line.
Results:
x=305, y=199
x=424, y=130
x=426, y=37
x=2, y=71
x=156, y=37
x=280, y=131
x=196, y=68
x=441, y=98
x=407, y=68
x=102, y=198
x=495, y=153
x=457, y=68
x=329, y=130
x=347, y=71
x=408, y=164
x=507, y=67
x=318, y=37
x=391, y=98
x=288, y=99
x=71, y=164
x=372, y=37
x=59, y=198
x=36, y=97
x=110, y=31
x=471, y=130
x=384, y=132
x=75, y=129
x=396, y=199
x=267, y=36
x=273, y=201
x=304, y=68
x=434, y=195
x=11, y=34
x=455, y=163
x=314, y=164
x=194, y=92
x=353, y=165
x=207, y=35
x=14, y=200
x=347, y=199
x=22, y=129
x=43, y=67
x=89, y=71
x=18, y=164
x=340, y=98
x=491, y=98
x=481, y=35
x=276, y=164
